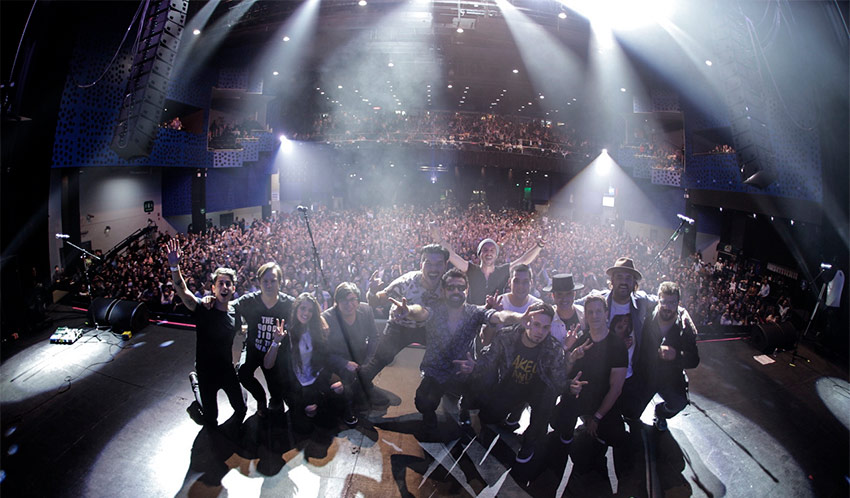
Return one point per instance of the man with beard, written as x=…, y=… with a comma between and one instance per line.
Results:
x=668, y=347
x=215, y=329
x=523, y=365
x=623, y=297
x=486, y=279
x=451, y=326
x=420, y=287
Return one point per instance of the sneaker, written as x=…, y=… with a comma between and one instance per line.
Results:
x=526, y=452
x=660, y=424
x=349, y=417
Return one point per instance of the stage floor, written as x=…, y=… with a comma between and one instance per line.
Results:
x=106, y=417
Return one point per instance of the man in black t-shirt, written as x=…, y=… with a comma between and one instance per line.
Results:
x=215, y=329
x=260, y=310
x=601, y=361
x=523, y=364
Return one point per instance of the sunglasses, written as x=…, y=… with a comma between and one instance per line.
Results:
x=455, y=287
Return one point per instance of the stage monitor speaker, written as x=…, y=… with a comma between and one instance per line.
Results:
x=768, y=337
x=98, y=315
x=128, y=315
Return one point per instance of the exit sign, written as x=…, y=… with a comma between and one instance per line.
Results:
x=149, y=206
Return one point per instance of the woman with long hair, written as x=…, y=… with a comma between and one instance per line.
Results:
x=305, y=341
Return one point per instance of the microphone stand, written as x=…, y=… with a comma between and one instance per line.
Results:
x=672, y=238
x=85, y=265
x=800, y=336
x=316, y=261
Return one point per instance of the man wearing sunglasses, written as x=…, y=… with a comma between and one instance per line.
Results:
x=451, y=326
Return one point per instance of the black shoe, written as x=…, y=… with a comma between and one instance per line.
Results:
x=376, y=397
x=463, y=418
x=659, y=422
x=429, y=420
x=526, y=452
x=349, y=417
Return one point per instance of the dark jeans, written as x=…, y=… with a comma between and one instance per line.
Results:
x=394, y=339
x=274, y=378
x=494, y=409
x=611, y=429
x=638, y=391
x=318, y=393
x=430, y=392
x=209, y=382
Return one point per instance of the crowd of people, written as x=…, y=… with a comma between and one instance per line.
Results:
x=508, y=302
x=225, y=133
x=354, y=244
x=463, y=130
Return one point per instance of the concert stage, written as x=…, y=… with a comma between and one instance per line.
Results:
x=106, y=417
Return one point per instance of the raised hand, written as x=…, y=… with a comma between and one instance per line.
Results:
x=465, y=367
x=577, y=384
x=434, y=231
x=401, y=310
x=375, y=282
x=495, y=303
x=279, y=332
x=578, y=353
x=572, y=336
x=173, y=252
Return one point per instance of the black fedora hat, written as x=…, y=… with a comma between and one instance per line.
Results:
x=563, y=282
x=624, y=264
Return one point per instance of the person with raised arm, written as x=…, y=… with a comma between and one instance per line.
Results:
x=215, y=329
x=487, y=278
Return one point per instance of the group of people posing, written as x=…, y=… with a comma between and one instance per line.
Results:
x=600, y=358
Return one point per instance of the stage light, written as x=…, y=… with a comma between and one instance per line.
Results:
x=285, y=144
x=286, y=38
x=622, y=89
x=460, y=30
x=708, y=63
x=562, y=15
x=196, y=32
x=390, y=64
x=604, y=151
x=515, y=71
x=362, y=3
x=622, y=14
x=275, y=73
x=449, y=86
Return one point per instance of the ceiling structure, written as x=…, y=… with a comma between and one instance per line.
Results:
x=411, y=56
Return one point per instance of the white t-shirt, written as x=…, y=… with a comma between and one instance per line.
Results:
x=507, y=305
x=305, y=374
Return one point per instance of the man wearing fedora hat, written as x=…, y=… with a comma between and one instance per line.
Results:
x=485, y=278
x=568, y=315
x=623, y=297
